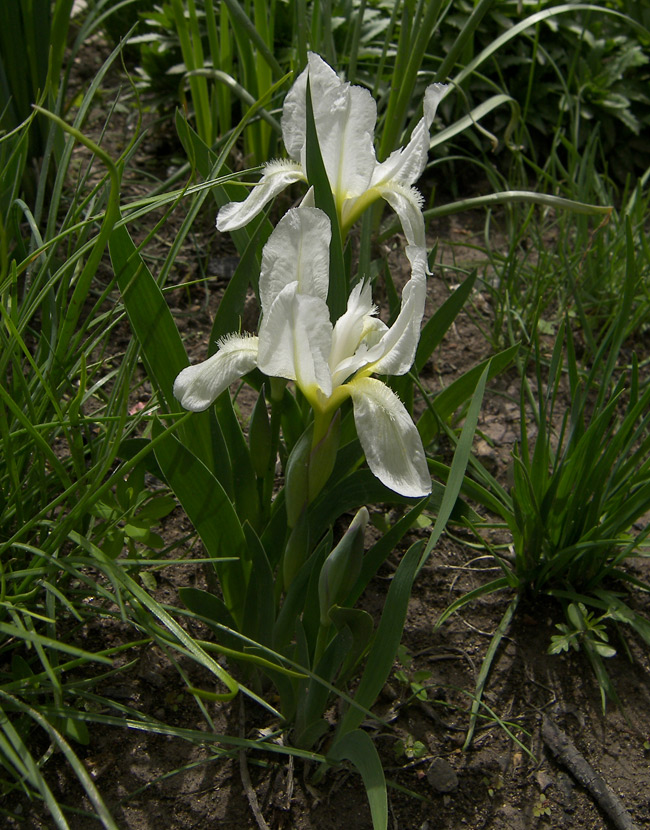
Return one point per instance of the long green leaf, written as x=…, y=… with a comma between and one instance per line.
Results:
x=211, y=513
x=388, y=637
x=438, y=325
x=118, y=575
x=357, y=747
x=460, y=391
x=19, y=756
x=486, y=665
x=458, y=466
x=79, y=769
x=149, y=316
x=48, y=642
x=241, y=20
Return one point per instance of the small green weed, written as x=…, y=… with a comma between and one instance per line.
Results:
x=542, y=806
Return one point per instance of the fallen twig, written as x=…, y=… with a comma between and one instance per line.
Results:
x=566, y=752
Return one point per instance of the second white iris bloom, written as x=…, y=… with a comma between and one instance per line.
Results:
x=329, y=363
x=345, y=116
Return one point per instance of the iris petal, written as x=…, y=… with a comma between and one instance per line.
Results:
x=277, y=175
x=395, y=352
x=405, y=165
x=295, y=341
x=297, y=251
x=345, y=117
x=389, y=438
x=407, y=204
x=196, y=387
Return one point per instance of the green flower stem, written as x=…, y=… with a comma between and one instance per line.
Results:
x=323, y=414
x=322, y=421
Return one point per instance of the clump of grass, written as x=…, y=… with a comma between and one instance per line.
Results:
x=580, y=486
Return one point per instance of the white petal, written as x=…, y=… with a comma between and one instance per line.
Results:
x=395, y=353
x=373, y=331
x=294, y=116
x=309, y=199
x=433, y=95
x=345, y=118
x=277, y=175
x=297, y=251
x=407, y=204
x=406, y=164
x=349, y=328
x=196, y=387
x=295, y=341
x=389, y=438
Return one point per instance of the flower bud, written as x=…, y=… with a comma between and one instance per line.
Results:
x=342, y=567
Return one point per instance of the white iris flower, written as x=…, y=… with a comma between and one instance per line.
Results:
x=329, y=363
x=345, y=118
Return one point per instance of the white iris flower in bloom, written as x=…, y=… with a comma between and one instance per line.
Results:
x=345, y=118
x=329, y=363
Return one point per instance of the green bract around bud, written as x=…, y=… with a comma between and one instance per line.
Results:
x=323, y=456
x=342, y=567
x=309, y=467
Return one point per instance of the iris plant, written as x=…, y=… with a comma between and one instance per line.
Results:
x=329, y=363
x=345, y=118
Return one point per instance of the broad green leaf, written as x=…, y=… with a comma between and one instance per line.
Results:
x=309, y=720
x=211, y=513
x=149, y=315
x=243, y=475
x=386, y=642
x=361, y=626
x=211, y=608
x=294, y=601
x=259, y=610
x=358, y=748
x=153, y=325
x=362, y=488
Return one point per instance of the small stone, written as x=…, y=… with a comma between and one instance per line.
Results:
x=544, y=780
x=442, y=776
